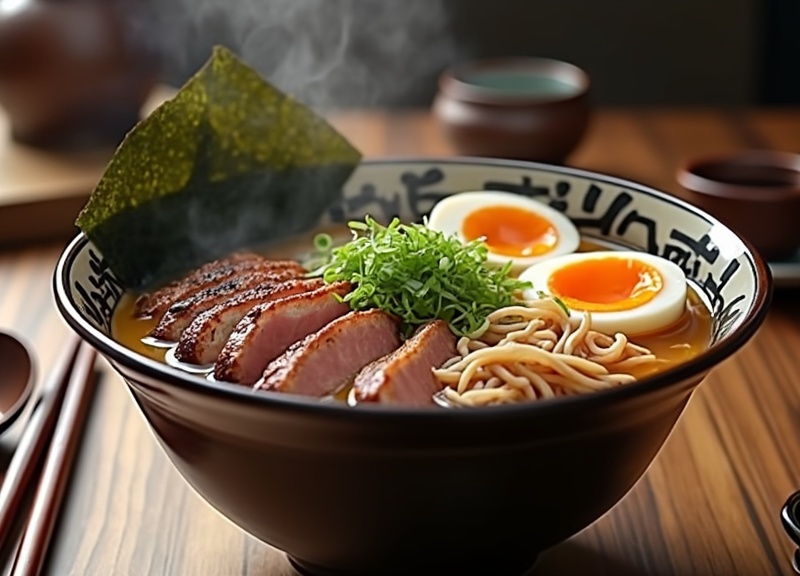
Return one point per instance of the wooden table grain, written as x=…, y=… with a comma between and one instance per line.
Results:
x=708, y=505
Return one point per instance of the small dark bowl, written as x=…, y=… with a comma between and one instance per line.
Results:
x=757, y=193
x=523, y=108
x=397, y=491
x=790, y=517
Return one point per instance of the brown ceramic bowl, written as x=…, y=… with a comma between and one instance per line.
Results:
x=392, y=491
x=521, y=108
x=790, y=517
x=755, y=192
x=73, y=75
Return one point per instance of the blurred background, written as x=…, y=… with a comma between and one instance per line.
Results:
x=76, y=75
x=389, y=53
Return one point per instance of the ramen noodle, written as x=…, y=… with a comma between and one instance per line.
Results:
x=533, y=351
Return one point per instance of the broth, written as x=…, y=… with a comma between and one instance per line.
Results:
x=682, y=341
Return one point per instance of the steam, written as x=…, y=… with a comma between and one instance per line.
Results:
x=326, y=53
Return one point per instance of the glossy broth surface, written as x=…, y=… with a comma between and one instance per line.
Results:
x=681, y=342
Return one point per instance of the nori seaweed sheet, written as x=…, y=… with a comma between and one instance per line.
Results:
x=228, y=163
x=178, y=232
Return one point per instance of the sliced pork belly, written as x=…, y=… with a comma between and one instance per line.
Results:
x=208, y=275
x=406, y=375
x=326, y=360
x=156, y=303
x=178, y=316
x=268, y=329
x=204, y=338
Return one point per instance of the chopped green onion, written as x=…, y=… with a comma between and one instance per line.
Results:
x=555, y=299
x=323, y=242
x=420, y=274
x=316, y=262
x=561, y=304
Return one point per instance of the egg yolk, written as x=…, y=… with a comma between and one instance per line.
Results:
x=511, y=231
x=605, y=284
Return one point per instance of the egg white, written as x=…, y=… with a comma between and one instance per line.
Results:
x=664, y=309
x=449, y=213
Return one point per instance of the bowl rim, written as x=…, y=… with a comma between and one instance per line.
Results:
x=453, y=84
x=698, y=367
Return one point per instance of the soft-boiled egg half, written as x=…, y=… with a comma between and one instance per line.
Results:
x=629, y=292
x=512, y=226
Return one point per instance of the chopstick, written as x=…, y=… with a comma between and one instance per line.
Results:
x=57, y=466
x=34, y=440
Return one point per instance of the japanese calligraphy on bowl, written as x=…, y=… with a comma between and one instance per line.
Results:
x=604, y=209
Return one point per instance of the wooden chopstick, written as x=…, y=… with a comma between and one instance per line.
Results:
x=34, y=440
x=57, y=466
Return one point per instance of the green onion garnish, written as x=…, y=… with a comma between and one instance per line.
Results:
x=555, y=299
x=323, y=242
x=420, y=274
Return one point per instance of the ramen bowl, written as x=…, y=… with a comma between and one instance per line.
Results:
x=395, y=491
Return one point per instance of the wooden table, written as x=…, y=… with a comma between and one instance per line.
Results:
x=708, y=505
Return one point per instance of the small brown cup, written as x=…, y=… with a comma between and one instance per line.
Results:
x=755, y=192
x=519, y=108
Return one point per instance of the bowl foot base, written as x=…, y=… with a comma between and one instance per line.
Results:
x=306, y=569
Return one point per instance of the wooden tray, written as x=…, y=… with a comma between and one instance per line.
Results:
x=41, y=192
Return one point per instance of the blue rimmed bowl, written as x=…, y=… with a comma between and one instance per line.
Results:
x=392, y=491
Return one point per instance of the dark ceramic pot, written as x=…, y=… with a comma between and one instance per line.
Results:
x=522, y=108
x=790, y=517
x=757, y=193
x=74, y=73
x=376, y=490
